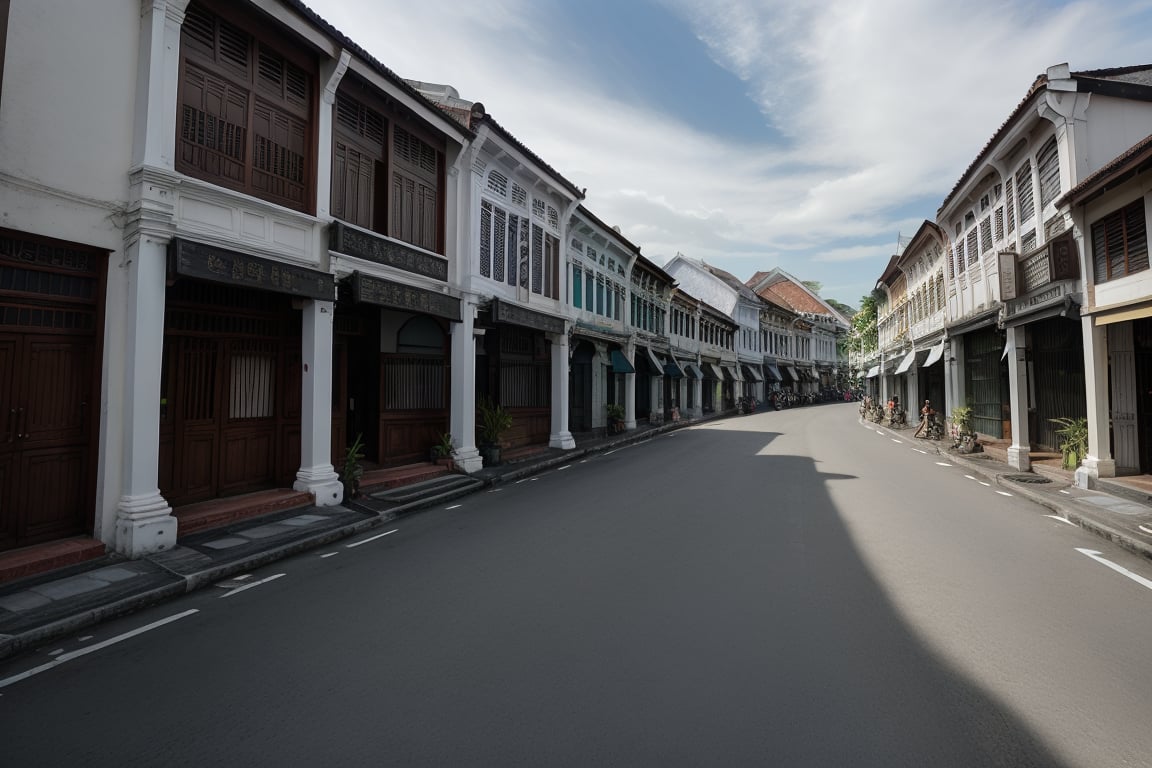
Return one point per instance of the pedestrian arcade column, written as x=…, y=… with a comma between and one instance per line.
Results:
x=1016, y=351
x=1099, y=462
x=561, y=437
x=144, y=521
x=462, y=417
x=316, y=474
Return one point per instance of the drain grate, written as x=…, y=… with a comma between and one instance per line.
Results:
x=1032, y=479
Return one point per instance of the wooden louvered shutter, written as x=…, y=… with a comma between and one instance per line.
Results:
x=1048, y=168
x=1136, y=237
x=1025, y=193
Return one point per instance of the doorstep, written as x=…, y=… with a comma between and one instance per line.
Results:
x=50, y=556
x=217, y=513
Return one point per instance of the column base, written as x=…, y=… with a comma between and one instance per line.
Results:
x=144, y=526
x=468, y=459
x=562, y=440
x=1019, y=459
x=1091, y=470
x=322, y=482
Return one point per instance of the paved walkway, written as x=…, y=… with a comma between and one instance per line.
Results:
x=37, y=609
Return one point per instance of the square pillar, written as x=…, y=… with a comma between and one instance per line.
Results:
x=316, y=474
x=630, y=391
x=560, y=437
x=1099, y=462
x=144, y=521
x=1018, y=457
x=462, y=416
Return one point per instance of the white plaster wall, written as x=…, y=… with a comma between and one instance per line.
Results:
x=1137, y=287
x=1113, y=126
x=69, y=89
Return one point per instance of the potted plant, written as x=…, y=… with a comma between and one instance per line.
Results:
x=962, y=429
x=615, y=417
x=494, y=421
x=442, y=451
x=352, y=470
x=1073, y=440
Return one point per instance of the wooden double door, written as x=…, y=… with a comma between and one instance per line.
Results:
x=230, y=393
x=46, y=404
x=50, y=324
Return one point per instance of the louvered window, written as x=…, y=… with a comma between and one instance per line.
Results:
x=1048, y=168
x=245, y=112
x=985, y=234
x=998, y=224
x=973, y=249
x=415, y=200
x=577, y=287
x=358, y=151
x=498, y=183
x=1024, y=193
x=1120, y=243
x=1009, y=205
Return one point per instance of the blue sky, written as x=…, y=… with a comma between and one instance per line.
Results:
x=752, y=133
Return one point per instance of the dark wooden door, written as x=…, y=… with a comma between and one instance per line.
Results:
x=46, y=393
x=580, y=389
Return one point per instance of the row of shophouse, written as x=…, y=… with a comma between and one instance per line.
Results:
x=232, y=241
x=1028, y=297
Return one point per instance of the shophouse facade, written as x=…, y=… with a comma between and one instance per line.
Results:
x=911, y=321
x=199, y=240
x=601, y=371
x=650, y=297
x=1109, y=212
x=806, y=344
x=1014, y=280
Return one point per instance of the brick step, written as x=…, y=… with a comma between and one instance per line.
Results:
x=394, y=477
x=41, y=558
x=216, y=513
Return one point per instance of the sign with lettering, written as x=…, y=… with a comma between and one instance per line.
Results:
x=385, y=293
x=383, y=250
x=503, y=312
x=1007, y=261
x=220, y=265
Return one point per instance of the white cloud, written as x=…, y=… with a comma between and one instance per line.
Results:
x=880, y=103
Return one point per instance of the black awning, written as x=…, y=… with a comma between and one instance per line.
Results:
x=773, y=372
x=673, y=369
x=620, y=363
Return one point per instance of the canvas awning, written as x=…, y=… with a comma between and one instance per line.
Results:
x=934, y=355
x=873, y=372
x=753, y=372
x=693, y=371
x=906, y=363
x=673, y=369
x=654, y=361
x=733, y=373
x=773, y=372
x=712, y=371
x=620, y=363
x=792, y=372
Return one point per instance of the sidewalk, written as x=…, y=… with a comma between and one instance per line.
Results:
x=53, y=604
x=1119, y=510
x=41, y=608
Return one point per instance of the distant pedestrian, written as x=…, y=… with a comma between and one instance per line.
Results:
x=927, y=413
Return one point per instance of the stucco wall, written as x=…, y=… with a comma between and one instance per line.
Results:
x=69, y=82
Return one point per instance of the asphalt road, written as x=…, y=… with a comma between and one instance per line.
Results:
x=782, y=589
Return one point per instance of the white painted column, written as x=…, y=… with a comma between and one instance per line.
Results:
x=1018, y=452
x=560, y=437
x=144, y=521
x=157, y=79
x=630, y=389
x=316, y=474
x=1099, y=462
x=462, y=417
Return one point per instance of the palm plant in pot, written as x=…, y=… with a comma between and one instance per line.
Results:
x=491, y=425
x=615, y=417
x=353, y=470
x=1073, y=440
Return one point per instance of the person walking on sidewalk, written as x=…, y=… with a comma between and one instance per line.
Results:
x=926, y=415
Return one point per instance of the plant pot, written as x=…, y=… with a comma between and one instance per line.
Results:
x=490, y=454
